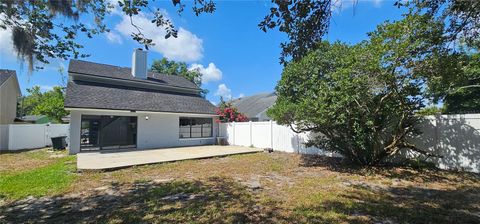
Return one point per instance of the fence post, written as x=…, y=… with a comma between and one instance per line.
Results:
x=250, y=133
x=46, y=133
x=233, y=127
x=271, y=134
x=10, y=137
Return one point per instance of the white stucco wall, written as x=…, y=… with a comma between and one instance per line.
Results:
x=161, y=130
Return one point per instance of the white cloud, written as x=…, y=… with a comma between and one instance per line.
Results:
x=341, y=5
x=377, y=3
x=224, y=92
x=6, y=44
x=241, y=95
x=114, y=37
x=210, y=73
x=46, y=88
x=186, y=47
x=113, y=7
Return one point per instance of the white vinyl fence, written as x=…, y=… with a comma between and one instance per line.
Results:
x=30, y=136
x=455, y=137
x=267, y=134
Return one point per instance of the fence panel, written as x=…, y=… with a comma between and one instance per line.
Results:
x=455, y=137
x=30, y=136
x=242, y=134
x=56, y=130
x=284, y=139
x=3, y=137
x=26, y=136
x=261, y=134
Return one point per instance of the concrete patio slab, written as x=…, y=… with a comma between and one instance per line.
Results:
x=111, y=159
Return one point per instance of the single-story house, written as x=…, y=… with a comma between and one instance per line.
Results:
x=256, y=106
x=115, y=107
x=9, y=94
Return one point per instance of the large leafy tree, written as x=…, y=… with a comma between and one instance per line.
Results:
x=360, y=101
x=30, y=101
x=168, y=67
x=462, y=17
x=458, y=87
x=45, y=29
x=304, y=21
x=49, y=103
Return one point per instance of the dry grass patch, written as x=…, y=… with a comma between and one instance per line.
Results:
x=27, y=160
x=259, y=188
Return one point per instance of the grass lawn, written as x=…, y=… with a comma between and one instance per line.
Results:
x=261, y=187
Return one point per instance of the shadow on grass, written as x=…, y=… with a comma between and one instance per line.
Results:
x=216, y=200
x=363, y=204
x=390, y=171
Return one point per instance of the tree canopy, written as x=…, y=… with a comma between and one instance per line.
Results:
x=49, y=103
x=46, y=29
x=168, y=67
x=361, y=100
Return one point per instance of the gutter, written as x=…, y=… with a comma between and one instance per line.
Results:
x=136, y=111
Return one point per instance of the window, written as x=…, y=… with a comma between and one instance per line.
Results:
x=195, y=127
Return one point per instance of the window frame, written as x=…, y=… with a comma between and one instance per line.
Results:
x=190, y=122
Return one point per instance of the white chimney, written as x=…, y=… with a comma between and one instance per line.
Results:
x=139, y=64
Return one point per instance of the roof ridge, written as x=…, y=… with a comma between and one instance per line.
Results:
x=124, y=73
x=148, y=70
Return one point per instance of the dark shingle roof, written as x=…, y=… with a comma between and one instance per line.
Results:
x=5, y=74
x=110, y=71
x=82, y=94
x=253, y=105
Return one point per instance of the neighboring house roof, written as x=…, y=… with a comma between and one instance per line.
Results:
x=33, y=118
x=252, y=106
x=5, y=74
x=124, y=73
x=66, y=119
x=105, y=95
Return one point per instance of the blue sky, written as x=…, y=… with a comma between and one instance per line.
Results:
x=235, y=57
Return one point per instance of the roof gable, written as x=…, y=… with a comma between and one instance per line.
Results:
x=6, y=74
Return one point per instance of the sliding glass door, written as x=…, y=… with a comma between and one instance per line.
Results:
x=108, y=132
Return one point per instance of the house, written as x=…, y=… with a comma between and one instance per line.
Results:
x=115, y=107
x=9, y=94
x=255, y=107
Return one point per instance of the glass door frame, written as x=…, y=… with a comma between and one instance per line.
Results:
x=101, y=140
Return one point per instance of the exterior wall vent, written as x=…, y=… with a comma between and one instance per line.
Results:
x=139, y=64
